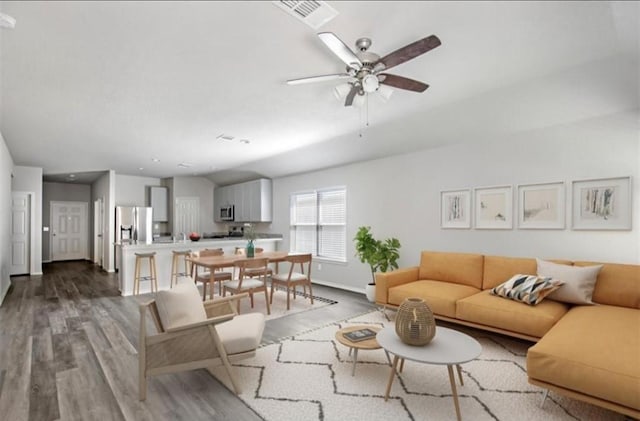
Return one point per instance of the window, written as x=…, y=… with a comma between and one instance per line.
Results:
x=318, y=223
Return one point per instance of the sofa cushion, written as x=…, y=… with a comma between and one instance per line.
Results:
x=579, y=282
x=617, y=284
x=242, y=333
x=490, y=310
x=593, y=350
x=499, y=268
x=181, y=305
x=440, y=296
x=528, y=289
x=459, y=268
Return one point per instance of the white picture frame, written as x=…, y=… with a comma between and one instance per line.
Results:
x=541, y=206
x=601, y=204
x=493, y=207
x=455, y=209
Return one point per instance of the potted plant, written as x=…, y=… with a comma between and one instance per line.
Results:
x=380, y=255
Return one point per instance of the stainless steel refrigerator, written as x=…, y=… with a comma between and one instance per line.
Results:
x=133, y=226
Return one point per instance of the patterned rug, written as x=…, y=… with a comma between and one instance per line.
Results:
x=308, y=377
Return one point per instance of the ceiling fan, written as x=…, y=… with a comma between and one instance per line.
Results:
x=364, y=68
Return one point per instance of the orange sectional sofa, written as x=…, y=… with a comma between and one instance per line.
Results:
x=587, y=352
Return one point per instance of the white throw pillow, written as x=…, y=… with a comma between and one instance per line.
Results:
x=579, y=282
x=181, y=305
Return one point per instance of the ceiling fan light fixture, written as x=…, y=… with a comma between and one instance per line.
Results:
x=370, y=83
x=341, y=91
x=384, y=92
x=358, y=101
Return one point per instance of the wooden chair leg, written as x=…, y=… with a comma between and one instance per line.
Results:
x=271, y=299
x=251, y=297
x=288, y=296
x=266, y=299
x=204, y=291
x=310, y=293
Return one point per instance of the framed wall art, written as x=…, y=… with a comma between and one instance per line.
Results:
x=541, y=206
x=455, y=209
x=493, y=207
x=602, y=204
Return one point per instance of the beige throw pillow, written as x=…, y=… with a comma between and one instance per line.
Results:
x=181, y=305
x=579, y=282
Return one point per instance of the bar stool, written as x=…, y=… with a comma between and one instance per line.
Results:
x=175, y=265
x=152, y=272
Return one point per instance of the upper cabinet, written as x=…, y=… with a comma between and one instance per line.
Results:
x=159, y=198
x=251, y=201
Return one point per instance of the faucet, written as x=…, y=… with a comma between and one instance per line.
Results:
x=184, y=237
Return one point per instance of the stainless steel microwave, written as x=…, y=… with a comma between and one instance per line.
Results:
x=227, y=213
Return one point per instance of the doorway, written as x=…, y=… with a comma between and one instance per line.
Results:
x=20, y=233
x=98, y=232
x=187, y=215
x=69, y=230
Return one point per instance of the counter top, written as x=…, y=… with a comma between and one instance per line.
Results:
x=203, y=242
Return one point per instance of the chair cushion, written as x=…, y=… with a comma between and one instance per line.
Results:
x=490, y=310
x=181, y=305
x=242, y=333
x=295, y=276
x=246, y=283
x=579, y=282
x=440, y=296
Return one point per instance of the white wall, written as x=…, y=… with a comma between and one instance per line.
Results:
x=64, y=192
x=105, y=188
x=29, y=179
x=132, y=190
x=6, y=168
x=399, y=196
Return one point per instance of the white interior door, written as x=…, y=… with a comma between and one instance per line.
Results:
x=98, y=232
x=69, y=230
x=187, y=215
x=20, y=233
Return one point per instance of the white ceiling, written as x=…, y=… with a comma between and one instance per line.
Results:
x=91, y=86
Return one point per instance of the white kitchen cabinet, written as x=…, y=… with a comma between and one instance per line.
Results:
x=159, y=199
x=251, y=200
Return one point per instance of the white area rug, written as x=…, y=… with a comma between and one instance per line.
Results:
x=308, y=377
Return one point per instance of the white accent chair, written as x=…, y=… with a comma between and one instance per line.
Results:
x=192, y=334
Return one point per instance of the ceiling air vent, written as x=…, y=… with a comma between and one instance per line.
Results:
x=313, y=13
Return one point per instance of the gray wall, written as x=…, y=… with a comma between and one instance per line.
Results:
x=198, y=187
x=105, y=188
x=400, y=196
x=64, y=192
x=29, y=179
x=6, y=168
x=132, y=190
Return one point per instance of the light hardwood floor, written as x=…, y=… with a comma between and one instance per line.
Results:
x=68, y=351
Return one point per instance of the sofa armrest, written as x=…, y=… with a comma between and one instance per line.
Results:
x=387, y=280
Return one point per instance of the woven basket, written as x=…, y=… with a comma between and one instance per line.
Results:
x=415, y=324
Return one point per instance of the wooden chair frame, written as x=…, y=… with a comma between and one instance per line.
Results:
x=258, y=267
x=288, y=283
x=218, y=277
x=188, y=347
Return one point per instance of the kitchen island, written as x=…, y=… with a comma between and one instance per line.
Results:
x=164, y=256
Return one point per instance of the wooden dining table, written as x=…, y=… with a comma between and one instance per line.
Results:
x=214, y=263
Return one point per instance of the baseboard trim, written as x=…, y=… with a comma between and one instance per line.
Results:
x=338, y=286
x=35, y=273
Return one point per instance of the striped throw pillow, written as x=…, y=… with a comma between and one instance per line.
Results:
x=529, y=289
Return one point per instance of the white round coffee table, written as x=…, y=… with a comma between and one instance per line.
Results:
x=449, y=347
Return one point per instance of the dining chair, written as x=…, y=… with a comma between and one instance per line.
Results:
x=292, y=279
x=205, y=277
x=240, y=251
x=248, y=284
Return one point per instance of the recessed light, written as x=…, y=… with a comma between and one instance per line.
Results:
x=141, y=168
x=155, y=159
x=72, y=176
x=245, y=141
x=225, y=137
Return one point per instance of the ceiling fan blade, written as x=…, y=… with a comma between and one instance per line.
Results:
x=322, y=78
x=410, y=51
x=402, y=82
x=340, y=49
x=351, y=95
